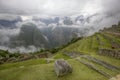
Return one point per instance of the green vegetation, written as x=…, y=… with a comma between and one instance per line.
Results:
x=61, y=56
x=46, y=72
x=55, y=50
x=24, y=63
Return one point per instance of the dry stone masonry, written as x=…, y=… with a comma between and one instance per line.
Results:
x=109, y=52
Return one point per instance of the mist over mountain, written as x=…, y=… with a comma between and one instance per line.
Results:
x=48, y=24
x=30, y=34
x=47, y=33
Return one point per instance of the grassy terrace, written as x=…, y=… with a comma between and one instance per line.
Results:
x=46, y=71
x=39, y=70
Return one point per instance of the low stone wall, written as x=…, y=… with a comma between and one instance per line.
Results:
x=108, y=52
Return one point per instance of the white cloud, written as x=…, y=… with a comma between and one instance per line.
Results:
x=8, y=17
x=48, y=7
x=59, y=7
x=21, y=49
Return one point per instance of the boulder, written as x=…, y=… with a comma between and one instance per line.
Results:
x=62, y=67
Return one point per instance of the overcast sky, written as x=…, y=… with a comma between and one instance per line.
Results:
x=108, y=11
x=104, y=12
x=58, y=7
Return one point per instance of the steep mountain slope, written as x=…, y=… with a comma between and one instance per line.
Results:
x=96, y=57
x=105, y=39
x=29, y=35
x=59, y=35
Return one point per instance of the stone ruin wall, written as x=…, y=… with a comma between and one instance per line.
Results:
x=108, y=52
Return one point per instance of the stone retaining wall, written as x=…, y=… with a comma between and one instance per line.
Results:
x=108, y=52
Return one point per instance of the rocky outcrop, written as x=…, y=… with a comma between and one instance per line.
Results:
x=108, y=52
x=62, y=67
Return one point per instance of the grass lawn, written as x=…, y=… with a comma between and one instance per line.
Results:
x=46, y=72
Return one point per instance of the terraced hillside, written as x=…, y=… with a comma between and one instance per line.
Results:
x=96, y=57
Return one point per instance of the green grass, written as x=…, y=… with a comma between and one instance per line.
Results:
x=24, y=63
x=105, y=43
x=95, y=44
x=109, y=71
x=38, y=70
x=46, y=72
x=110, y=60
x=59, y=55
x=116, y=39
x=88, y=45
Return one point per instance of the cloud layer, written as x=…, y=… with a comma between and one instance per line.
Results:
x=59, y=7
x=49, y=7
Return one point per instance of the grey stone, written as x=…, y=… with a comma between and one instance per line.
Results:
x=62, y=67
